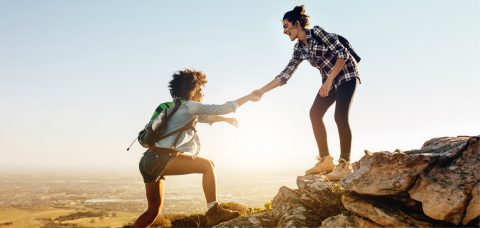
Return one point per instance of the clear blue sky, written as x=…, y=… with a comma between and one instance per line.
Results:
x=80, y=78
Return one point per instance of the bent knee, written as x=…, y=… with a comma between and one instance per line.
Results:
x=316, y=114
x=313, y=113
x=206, y=164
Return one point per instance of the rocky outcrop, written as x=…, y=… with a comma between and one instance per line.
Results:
x=315, y=200
x=441, y=177
x=385, y=173
x=446, y=189
x=436, y=185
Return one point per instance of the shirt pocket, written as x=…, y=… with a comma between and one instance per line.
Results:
x=317, y=54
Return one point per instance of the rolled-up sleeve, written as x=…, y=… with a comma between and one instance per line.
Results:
x=197, y=108
x=292, y=65
x=332, y=42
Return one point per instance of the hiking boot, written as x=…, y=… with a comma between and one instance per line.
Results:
x=341, y=170
x=324, y=165
x=218, y=214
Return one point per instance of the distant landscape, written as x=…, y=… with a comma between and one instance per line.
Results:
x=92, y=199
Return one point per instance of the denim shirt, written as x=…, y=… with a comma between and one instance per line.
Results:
x=189, y=110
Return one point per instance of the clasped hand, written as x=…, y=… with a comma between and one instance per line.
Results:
x=256, y=95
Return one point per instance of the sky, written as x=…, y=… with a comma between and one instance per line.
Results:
x=79, y=79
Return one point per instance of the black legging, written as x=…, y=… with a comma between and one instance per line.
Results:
x=343, y=96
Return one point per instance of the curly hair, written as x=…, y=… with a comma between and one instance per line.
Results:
x=298, y=14
x=186, y=82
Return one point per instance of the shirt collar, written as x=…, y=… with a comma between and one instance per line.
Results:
x=179, y=98
x=309, y=37
x=309, y=33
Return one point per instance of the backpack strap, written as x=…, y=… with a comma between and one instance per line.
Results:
x=158, y=134
x=320, y=41
x=189, y=125
x=342, y=40
x=312, y=32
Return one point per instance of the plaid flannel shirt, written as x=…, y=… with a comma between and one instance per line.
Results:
x=321, y=56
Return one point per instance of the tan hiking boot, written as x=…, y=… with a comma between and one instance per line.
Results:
x=341, y=170
x=218, y=214
x=324, y=165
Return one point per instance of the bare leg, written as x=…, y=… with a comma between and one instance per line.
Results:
x=154, y=192
x=185, y=164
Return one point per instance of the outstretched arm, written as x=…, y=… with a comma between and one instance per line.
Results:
x=244, y=99
x=283, y=77
x=269, y=86
x=214, y=118
x=197, y=108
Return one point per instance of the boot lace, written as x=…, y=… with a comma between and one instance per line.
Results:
x=343, y=163
x=222, y=209
x=320, y=159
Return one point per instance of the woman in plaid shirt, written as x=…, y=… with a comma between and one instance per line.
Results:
x=339, y=72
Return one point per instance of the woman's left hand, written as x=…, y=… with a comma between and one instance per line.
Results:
x=232, y=121
x=325, y=89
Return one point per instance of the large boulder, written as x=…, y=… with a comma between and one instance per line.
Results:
x=385, y=173
x=442, y=176
x=445, y=190
x=391, y=173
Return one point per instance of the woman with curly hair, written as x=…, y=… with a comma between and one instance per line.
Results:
x=167, y=156
x=339, y=72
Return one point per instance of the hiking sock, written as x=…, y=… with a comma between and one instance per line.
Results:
x=211, y=204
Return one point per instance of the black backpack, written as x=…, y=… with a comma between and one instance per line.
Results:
x=343, y=41
x=148, y=136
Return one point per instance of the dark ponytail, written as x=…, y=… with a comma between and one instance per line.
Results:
x=298, y=14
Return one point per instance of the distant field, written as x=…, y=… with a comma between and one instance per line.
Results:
x=29, y=218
